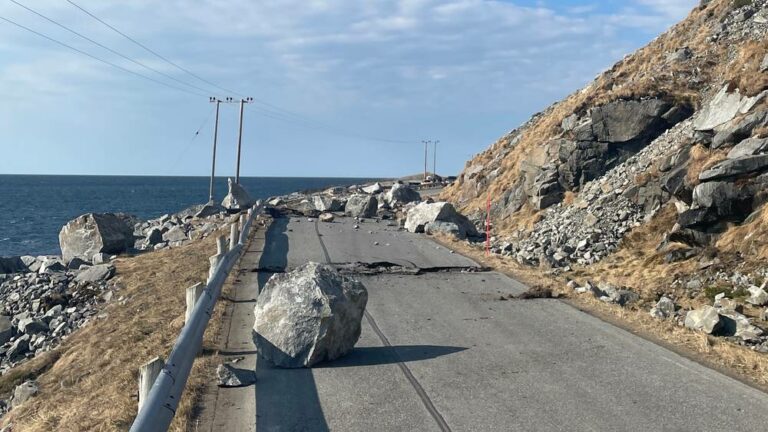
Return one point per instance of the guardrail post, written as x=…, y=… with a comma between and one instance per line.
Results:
x=193, y=293
x=214, y=260
x=234, y=233
x=221, y=245
x=148, y=373
x=243, y=219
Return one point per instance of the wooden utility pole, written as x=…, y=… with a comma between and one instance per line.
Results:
x=215, y=139
x=434, y=160
x=426, y=147
x=240, y=137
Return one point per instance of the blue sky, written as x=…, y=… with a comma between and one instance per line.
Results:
x=355, y=72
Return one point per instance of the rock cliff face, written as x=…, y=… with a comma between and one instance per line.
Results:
x=682, y=122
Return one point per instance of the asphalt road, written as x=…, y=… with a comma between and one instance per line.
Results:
x=440, y=351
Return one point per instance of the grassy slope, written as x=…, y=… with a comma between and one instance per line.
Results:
x=90, y=381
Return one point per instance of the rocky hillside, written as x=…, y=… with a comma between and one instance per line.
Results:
x=683, y=122
x=651, y=181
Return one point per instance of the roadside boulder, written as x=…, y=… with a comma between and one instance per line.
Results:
x=757, y=296
x=23, y=393
x=237, y=198
x=93, y=233
x=704, y=319
x=229, y=376
x=96, y=273
x=372, y=189
x=325, y=203
x=363, y=206
x=326, y=217
x=52, y=265
x=427, y=213
x=665, y=308
x=738, y=325
x=308, y=315
x=6, y=329
x=175, y=234
x=12, y=265
x=208, y=210
x=401, y=194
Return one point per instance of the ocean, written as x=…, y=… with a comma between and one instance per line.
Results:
x=33, y=208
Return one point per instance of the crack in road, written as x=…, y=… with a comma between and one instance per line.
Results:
x=425, y=399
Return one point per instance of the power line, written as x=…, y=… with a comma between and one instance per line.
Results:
x=100, y=59
x=274, y=110
x=150, y=50
x=106, y=47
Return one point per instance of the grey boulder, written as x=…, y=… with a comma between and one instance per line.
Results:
x=704, y=319
x=624, y=121
x=176, y=233
x=96, y=273
x=6, y=329
x=308, y=315
x=665, y=308
x=757, y=296
x=372, y=189
x=93, y=233
x=749, y=147
x=237, y=198
x=12, y=265
x=24, y=392
x=735, y=167
x=228, y=376
x=326, y=203
x=428, y=213
x=364, y=206
x=401, y=194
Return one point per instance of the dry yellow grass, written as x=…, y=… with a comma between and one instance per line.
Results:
x=90, y=381
x=749, y=239
x=736, y=360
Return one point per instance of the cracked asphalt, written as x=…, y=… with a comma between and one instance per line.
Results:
x=439, y=351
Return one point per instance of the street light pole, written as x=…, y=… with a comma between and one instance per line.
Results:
x=426, y=147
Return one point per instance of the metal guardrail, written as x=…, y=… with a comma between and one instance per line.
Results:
x=156, y=413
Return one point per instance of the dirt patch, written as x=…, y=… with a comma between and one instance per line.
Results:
x=90, y=381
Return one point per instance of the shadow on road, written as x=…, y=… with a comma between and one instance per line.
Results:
x=275, y=255
x=373, y=356
x=286, y=399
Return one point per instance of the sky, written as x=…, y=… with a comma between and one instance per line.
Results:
x=341, y=88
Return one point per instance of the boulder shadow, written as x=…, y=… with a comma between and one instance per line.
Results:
x=274, y=259
x=286, y=399
x=382, y=355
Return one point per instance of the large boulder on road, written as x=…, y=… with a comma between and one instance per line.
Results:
x=361, y=206
x=237, y=198
x=401, y=194
x=93, y=233
x=429, y=213
x=307, y=316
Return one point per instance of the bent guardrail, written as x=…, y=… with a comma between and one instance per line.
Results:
x=156, y=411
